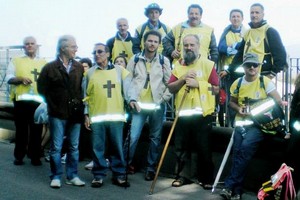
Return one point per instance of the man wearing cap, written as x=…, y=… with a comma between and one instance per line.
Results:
x=263, y=40
x=152, y=12
x=173, y=45
x=247, y=136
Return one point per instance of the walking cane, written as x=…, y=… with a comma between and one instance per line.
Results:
x=187, y=89
x=223, y=162
x=128, y=149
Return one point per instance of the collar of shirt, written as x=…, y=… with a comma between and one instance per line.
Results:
x=68, y=67
x=121, y=38
x=152, y=27
x=236, y=30
x=108, y=67
x=187, y=25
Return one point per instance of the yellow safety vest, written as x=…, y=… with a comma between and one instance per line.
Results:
x=231, y=38
x=204, y=33
x=122, y=48
x=104, y=95
x=29, y=68
x=199, y=101
x=252, y=90
x=254, y=42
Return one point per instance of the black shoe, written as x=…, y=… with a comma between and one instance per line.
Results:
x=120, y=182
x=149, y=176
x=96, y=183
x=18, y=162
x=36, y=162
x=226, y=193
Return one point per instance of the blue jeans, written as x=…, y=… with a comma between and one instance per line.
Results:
x=58, y=129
x=155, y=118
x=114, y=132
x=246, y=142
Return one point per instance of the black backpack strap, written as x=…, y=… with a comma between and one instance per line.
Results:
x=237, y=89
x=143, y=30
x=164, y=27
x=262, y=84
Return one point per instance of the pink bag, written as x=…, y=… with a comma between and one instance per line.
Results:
x=280, y=181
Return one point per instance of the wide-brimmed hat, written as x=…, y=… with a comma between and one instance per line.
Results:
x=152, y=6
x=250, y=58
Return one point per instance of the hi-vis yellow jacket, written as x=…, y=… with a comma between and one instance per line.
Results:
x=29, y=68
x=199, y=101
x=104, y=94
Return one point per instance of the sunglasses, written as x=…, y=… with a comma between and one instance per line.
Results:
x=249, y=65
x=99, y=51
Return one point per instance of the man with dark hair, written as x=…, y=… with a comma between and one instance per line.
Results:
x=247, y=136
x=147, y=95
x=60, y=84
x=173, y=45
x=229, y=44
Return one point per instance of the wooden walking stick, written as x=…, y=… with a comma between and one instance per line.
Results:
x=187, y=89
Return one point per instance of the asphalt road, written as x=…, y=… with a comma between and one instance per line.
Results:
x=28, y=182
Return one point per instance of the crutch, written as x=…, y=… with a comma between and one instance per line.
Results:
x=187, y=89
x=223, y=162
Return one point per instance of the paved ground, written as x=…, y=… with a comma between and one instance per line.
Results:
x=28, y=182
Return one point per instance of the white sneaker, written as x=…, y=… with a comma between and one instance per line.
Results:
x=89, y=166
x=55, y=183
x=75, y=181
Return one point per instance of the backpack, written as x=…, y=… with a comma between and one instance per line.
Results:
x=145, y=25
x=279, y=187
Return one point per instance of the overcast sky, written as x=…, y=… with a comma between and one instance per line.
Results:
x=92, y=21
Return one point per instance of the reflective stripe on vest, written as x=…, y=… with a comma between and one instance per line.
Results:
x=108, y=117
x=190, y=112
x=148, y=106
x=246, y=122
x=30, y=97
x=263, y=107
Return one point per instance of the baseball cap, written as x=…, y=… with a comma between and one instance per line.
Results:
x=250, y=58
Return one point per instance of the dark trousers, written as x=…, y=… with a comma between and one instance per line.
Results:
x=28, y=134
x=193, y=133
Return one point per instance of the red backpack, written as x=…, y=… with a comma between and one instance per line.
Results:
x=280, y=187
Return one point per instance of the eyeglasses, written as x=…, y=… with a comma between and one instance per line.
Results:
x=99, y=51
x=249, y=65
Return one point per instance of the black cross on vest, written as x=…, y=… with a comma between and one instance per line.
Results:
x=123, y=54
x=248, y=44
x=36, y=74
x=109, y=86
x=147, y=81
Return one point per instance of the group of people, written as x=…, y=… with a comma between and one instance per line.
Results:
x=144, y=71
